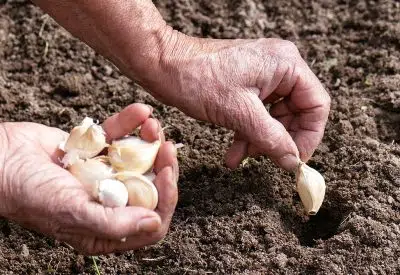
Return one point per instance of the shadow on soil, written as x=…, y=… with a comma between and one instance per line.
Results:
x=322, y=226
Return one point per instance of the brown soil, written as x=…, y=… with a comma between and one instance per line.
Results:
x=250, y=220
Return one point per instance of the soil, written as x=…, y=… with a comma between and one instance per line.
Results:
x=250, y=220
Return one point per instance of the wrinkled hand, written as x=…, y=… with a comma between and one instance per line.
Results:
x=227, y=82
x=39, y=194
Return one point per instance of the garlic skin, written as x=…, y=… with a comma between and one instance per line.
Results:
x=85, y=141
x=311, y=188
x=133, y=154
x=112, y=193
x=142, y=191
x=91, y=172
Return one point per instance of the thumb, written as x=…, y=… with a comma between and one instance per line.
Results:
x=120, y=222
x=256, y=125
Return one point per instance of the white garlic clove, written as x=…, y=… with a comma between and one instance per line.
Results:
x=151, y=176
x=311, y=188
x=70, y=158
x=91, y=172
x=142, y=191
x=133, y=154
x=112, y=193
x=86, y=140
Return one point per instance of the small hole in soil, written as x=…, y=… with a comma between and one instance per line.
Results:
x=323, y=225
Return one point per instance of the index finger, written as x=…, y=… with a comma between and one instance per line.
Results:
x=124, y=122
x=304, y=112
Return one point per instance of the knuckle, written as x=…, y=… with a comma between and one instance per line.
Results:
x=289, y=46
x=286, y=49
x=274, y=138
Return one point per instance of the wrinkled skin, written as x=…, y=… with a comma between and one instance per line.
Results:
x=227, y=82
x=39, y=194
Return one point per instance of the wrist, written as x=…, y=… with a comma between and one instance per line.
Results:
x=174, y=51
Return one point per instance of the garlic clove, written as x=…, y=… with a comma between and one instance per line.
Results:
x=151, y=176
x=142, y=191
x=311, y=188
x=70, y=158
x=91, y=172
x=86, y=140
x=133, y=154
x=112, y=193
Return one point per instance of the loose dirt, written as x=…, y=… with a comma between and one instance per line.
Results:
x=247, y=221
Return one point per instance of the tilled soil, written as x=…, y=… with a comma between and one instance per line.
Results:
x=247, y=221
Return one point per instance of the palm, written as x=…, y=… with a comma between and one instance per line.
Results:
x=47, y=198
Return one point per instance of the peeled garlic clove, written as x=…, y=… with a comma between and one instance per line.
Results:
x=311, y=188
x=91, y=172
x=133, y=154
x=142, y=192
x=86, y=140
x=112, y=193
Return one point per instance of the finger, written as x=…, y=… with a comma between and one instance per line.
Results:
x=308, y=125
x=113, y=223
x=265, y=132
x=150, y=130
x=236, y=152
x=124, y=122
x=253, y=151
x=166, y=183
x=92, y=245
x=166, y=157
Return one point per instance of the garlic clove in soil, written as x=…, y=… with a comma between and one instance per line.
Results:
x=112, y=193
x=85, y=141
x=311, y=188
x=133, y=154
x=91, y=172
x=142, y=191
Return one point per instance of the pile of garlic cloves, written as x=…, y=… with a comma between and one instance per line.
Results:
x=121, y=176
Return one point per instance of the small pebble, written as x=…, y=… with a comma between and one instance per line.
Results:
x=24, y=250
x=108, y=70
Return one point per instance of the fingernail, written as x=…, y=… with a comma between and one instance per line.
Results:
x=288, y=162
x=149, y=224
x=150, y=108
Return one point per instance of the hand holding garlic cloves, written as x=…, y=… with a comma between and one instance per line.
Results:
x=61, y=206
x=115, y=179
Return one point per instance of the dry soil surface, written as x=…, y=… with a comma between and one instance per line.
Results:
x=247, y=221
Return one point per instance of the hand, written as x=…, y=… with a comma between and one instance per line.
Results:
x=227, y=82
x=37, y=193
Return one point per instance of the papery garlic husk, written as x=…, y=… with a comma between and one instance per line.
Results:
x=85, y=141
x=311, y=188
x=141, y=190
x=133, y=154
x=91, y=172
x=112, y=193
